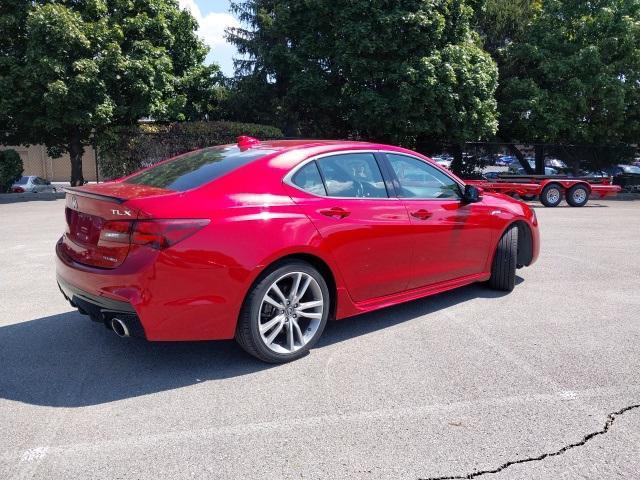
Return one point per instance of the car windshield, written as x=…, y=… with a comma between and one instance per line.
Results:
x=23, y=181
x=630, y=169
x=196, y=168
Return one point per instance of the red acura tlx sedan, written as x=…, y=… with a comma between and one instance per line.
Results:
x=265, y=241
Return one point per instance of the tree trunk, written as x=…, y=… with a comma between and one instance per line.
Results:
x=539, y=159
x=76, y=151
x=518, y=154
x=456, y=164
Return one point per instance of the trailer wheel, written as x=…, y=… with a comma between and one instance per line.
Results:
x=551, y=195
x=503, y=269
x=578, y=196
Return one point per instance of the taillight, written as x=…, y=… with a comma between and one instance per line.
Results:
x=161, y=234
x=17, y=190
x=158, y=234
x=115, y=231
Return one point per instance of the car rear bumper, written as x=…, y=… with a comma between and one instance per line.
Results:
x=102, y=309
x=170, y=298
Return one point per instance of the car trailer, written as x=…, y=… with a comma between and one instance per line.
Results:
x=551, y=189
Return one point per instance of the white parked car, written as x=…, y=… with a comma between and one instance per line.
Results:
x=32, y=184
x=443, y=160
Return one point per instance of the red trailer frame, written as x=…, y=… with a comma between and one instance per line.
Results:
x=550, y=189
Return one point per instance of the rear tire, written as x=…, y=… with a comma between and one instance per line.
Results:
x=551, y=195
x=578, y=196
x=503, y=269
x=278, y=323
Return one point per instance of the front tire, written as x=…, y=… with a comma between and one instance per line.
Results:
x=285, y=313
x=503, y=269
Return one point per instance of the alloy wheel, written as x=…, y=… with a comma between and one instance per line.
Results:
x=290, y=312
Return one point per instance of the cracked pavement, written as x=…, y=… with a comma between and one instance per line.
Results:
x=467, y=384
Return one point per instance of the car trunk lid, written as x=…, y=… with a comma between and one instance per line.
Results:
x=99, y=222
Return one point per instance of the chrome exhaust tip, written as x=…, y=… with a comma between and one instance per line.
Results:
x=119, y=327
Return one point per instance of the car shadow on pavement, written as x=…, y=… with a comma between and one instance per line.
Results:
x=589, y=205
x=387, y=317
x=66, y=360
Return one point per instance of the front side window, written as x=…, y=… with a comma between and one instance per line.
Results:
x=418, y=179
x=194, y=169
x=354, y=175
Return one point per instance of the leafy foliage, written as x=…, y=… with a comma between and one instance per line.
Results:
x=70, y=68
x=575, y=78
x=11, y=168
x=392, y=71
x=125, y=150
x=501, y=22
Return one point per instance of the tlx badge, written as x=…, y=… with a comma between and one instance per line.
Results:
x=125, y=213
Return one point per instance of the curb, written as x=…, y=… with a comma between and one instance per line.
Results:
x=28, y=197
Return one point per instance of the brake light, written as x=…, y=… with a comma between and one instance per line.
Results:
x=115, y=231
x=17, y=190
x=161, y=234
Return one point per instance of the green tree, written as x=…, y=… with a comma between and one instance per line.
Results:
x=404, y=71
x=574, y=78
x=500, y=22
x=69, y=68
x=11, y=168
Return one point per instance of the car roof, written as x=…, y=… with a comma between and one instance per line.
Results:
x=288, y=153
x=310, y=143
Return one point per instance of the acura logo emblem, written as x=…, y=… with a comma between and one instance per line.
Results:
x=74, y=203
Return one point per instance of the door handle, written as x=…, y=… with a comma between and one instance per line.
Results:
x=336, y=212
x=421, y=214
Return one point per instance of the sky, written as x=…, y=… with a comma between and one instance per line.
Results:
x=213, y=17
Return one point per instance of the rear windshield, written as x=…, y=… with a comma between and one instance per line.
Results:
x=22, y=181
x=194, y=169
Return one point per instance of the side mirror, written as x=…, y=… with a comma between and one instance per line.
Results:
x=471, y=194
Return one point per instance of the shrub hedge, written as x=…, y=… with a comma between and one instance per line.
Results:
x=11, y=168
x=123, y=150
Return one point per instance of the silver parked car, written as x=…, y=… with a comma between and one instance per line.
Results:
x=32, y=184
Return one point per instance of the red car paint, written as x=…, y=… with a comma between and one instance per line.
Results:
x=377, y=251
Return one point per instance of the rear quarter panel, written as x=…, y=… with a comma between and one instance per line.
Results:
x=201, y=282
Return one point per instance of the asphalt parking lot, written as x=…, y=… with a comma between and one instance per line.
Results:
x=542, y=383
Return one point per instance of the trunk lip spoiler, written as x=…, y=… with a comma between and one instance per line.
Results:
x=97, y=196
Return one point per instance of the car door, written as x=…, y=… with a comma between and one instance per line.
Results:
x=366, y=231
x=40, y=184
x=46, y=186
x=32, y=185
x=451, y=238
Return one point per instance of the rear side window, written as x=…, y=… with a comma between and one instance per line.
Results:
x=308, y=179
x=194, y=169
x=352, y=175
